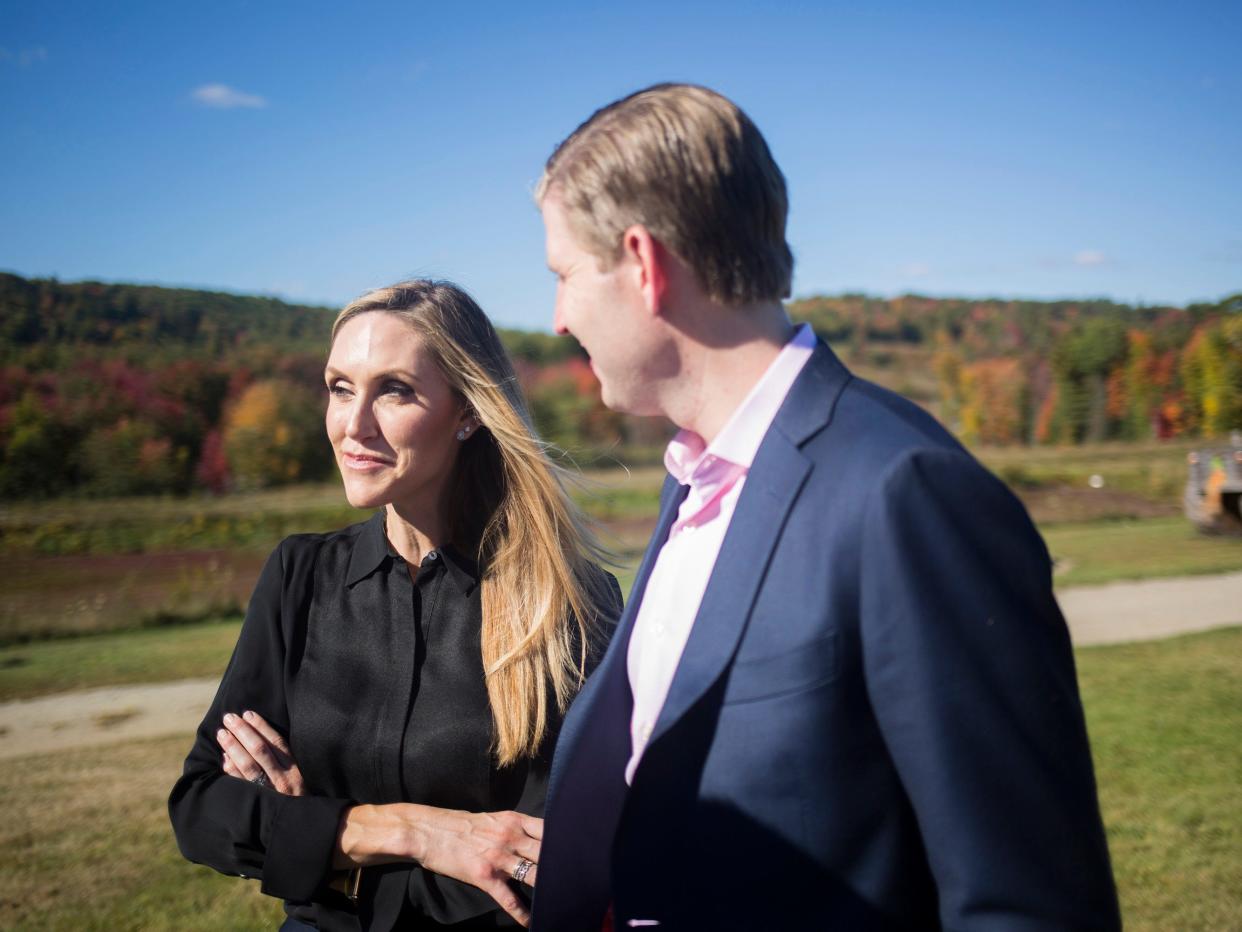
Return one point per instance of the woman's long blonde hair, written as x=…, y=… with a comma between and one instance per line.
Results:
x=541, y=590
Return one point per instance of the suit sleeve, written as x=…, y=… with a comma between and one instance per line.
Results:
x=231, y=824
x=971, y=675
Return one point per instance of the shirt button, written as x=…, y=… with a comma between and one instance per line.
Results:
x=432, y=555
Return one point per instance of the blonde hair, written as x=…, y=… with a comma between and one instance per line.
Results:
x=690, y=166
x=540, y=586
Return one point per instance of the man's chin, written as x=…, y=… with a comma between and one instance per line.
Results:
x=628, y=403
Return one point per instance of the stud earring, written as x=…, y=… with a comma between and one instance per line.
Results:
x=463, y=433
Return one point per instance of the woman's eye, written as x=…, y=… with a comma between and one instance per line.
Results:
x=398, y=388
x=337, y=390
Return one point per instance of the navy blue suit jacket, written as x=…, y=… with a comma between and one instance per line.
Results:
x=875, y=723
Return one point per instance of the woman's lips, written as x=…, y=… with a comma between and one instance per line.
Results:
x=364, y=463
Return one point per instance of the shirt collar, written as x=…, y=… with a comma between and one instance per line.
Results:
x=739, y=440
x=371, y=550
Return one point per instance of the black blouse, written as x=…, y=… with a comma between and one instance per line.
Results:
x=377, y=680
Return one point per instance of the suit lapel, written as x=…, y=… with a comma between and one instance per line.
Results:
x=613, y=665
x=772, y=485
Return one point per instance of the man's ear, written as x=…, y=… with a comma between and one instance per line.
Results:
x=650, y=262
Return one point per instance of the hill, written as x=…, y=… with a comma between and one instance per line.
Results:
x=109, y=389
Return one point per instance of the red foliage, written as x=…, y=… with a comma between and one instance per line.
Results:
x=212, y=471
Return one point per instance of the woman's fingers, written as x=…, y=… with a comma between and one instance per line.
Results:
x=256, y=758
x=259, y=747
x=526, y=876
x=532, y=826
x=273, y=737
x=235, y=753
x=525, y=847
x=503, y=894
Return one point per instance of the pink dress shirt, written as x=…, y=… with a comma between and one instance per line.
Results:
x=716, y=473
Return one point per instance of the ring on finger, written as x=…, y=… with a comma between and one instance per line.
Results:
x=522, y=869
x=260, y=780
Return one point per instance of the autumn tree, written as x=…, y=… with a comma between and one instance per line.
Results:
x=274, y=435
x=1211, y=370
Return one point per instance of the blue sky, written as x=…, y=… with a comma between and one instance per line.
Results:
x=314, y=150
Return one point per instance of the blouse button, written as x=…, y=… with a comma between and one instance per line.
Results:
x=432, y=555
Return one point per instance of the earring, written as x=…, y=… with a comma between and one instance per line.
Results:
x=463, y=433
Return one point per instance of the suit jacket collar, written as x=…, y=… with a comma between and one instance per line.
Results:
x=613, y=663
x=772, y=486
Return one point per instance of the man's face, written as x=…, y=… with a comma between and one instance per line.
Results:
x=605, y=311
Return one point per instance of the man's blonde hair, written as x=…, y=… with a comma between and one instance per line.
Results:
x=692, y=168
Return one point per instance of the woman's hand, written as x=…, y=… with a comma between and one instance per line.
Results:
x=483, y=849
x=255, y=751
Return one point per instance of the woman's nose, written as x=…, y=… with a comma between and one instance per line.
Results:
x=360, y=422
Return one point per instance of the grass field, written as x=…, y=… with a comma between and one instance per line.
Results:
x=85, y=844
x=1100, y=552
x=81, y=567
x=146, y=656
x=1088, y=553
x=1154, y=470
x=1164, y=718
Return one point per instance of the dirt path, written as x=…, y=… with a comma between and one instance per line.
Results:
x=103, y=716
x=1128, y=611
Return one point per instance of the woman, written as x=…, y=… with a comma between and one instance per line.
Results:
x=397, y=686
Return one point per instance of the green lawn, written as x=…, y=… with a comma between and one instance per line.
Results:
x=85, y=844
x=1086, y=554
x=253, y=520
x=1165, y=719
x=1151, y=469
x=1105, y=551
x=151, y=655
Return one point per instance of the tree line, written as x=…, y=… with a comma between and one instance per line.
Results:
x=124, y=389
x=1061, y=372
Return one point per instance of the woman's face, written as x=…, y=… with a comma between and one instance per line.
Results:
x=392, y=417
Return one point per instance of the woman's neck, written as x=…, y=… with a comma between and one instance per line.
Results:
x=413, y=532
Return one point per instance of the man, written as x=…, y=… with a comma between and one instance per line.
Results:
x=842, y=695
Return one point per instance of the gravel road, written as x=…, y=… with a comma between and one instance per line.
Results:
x=1114, y=613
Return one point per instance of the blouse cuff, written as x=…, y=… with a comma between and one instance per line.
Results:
x=301, y=845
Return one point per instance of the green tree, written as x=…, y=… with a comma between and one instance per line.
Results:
x=274, y=435
x=36, y=460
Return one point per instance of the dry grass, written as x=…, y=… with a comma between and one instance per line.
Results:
x=86, y=845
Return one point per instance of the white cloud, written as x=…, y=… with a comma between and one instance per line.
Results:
x=223, y=97
x=24, y=58
x=1089, y=258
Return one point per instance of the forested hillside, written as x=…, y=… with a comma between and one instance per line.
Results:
x=125, y=389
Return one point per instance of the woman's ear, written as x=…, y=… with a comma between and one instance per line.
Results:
x=467, y=424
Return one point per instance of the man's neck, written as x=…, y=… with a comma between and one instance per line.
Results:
x=723, y=359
